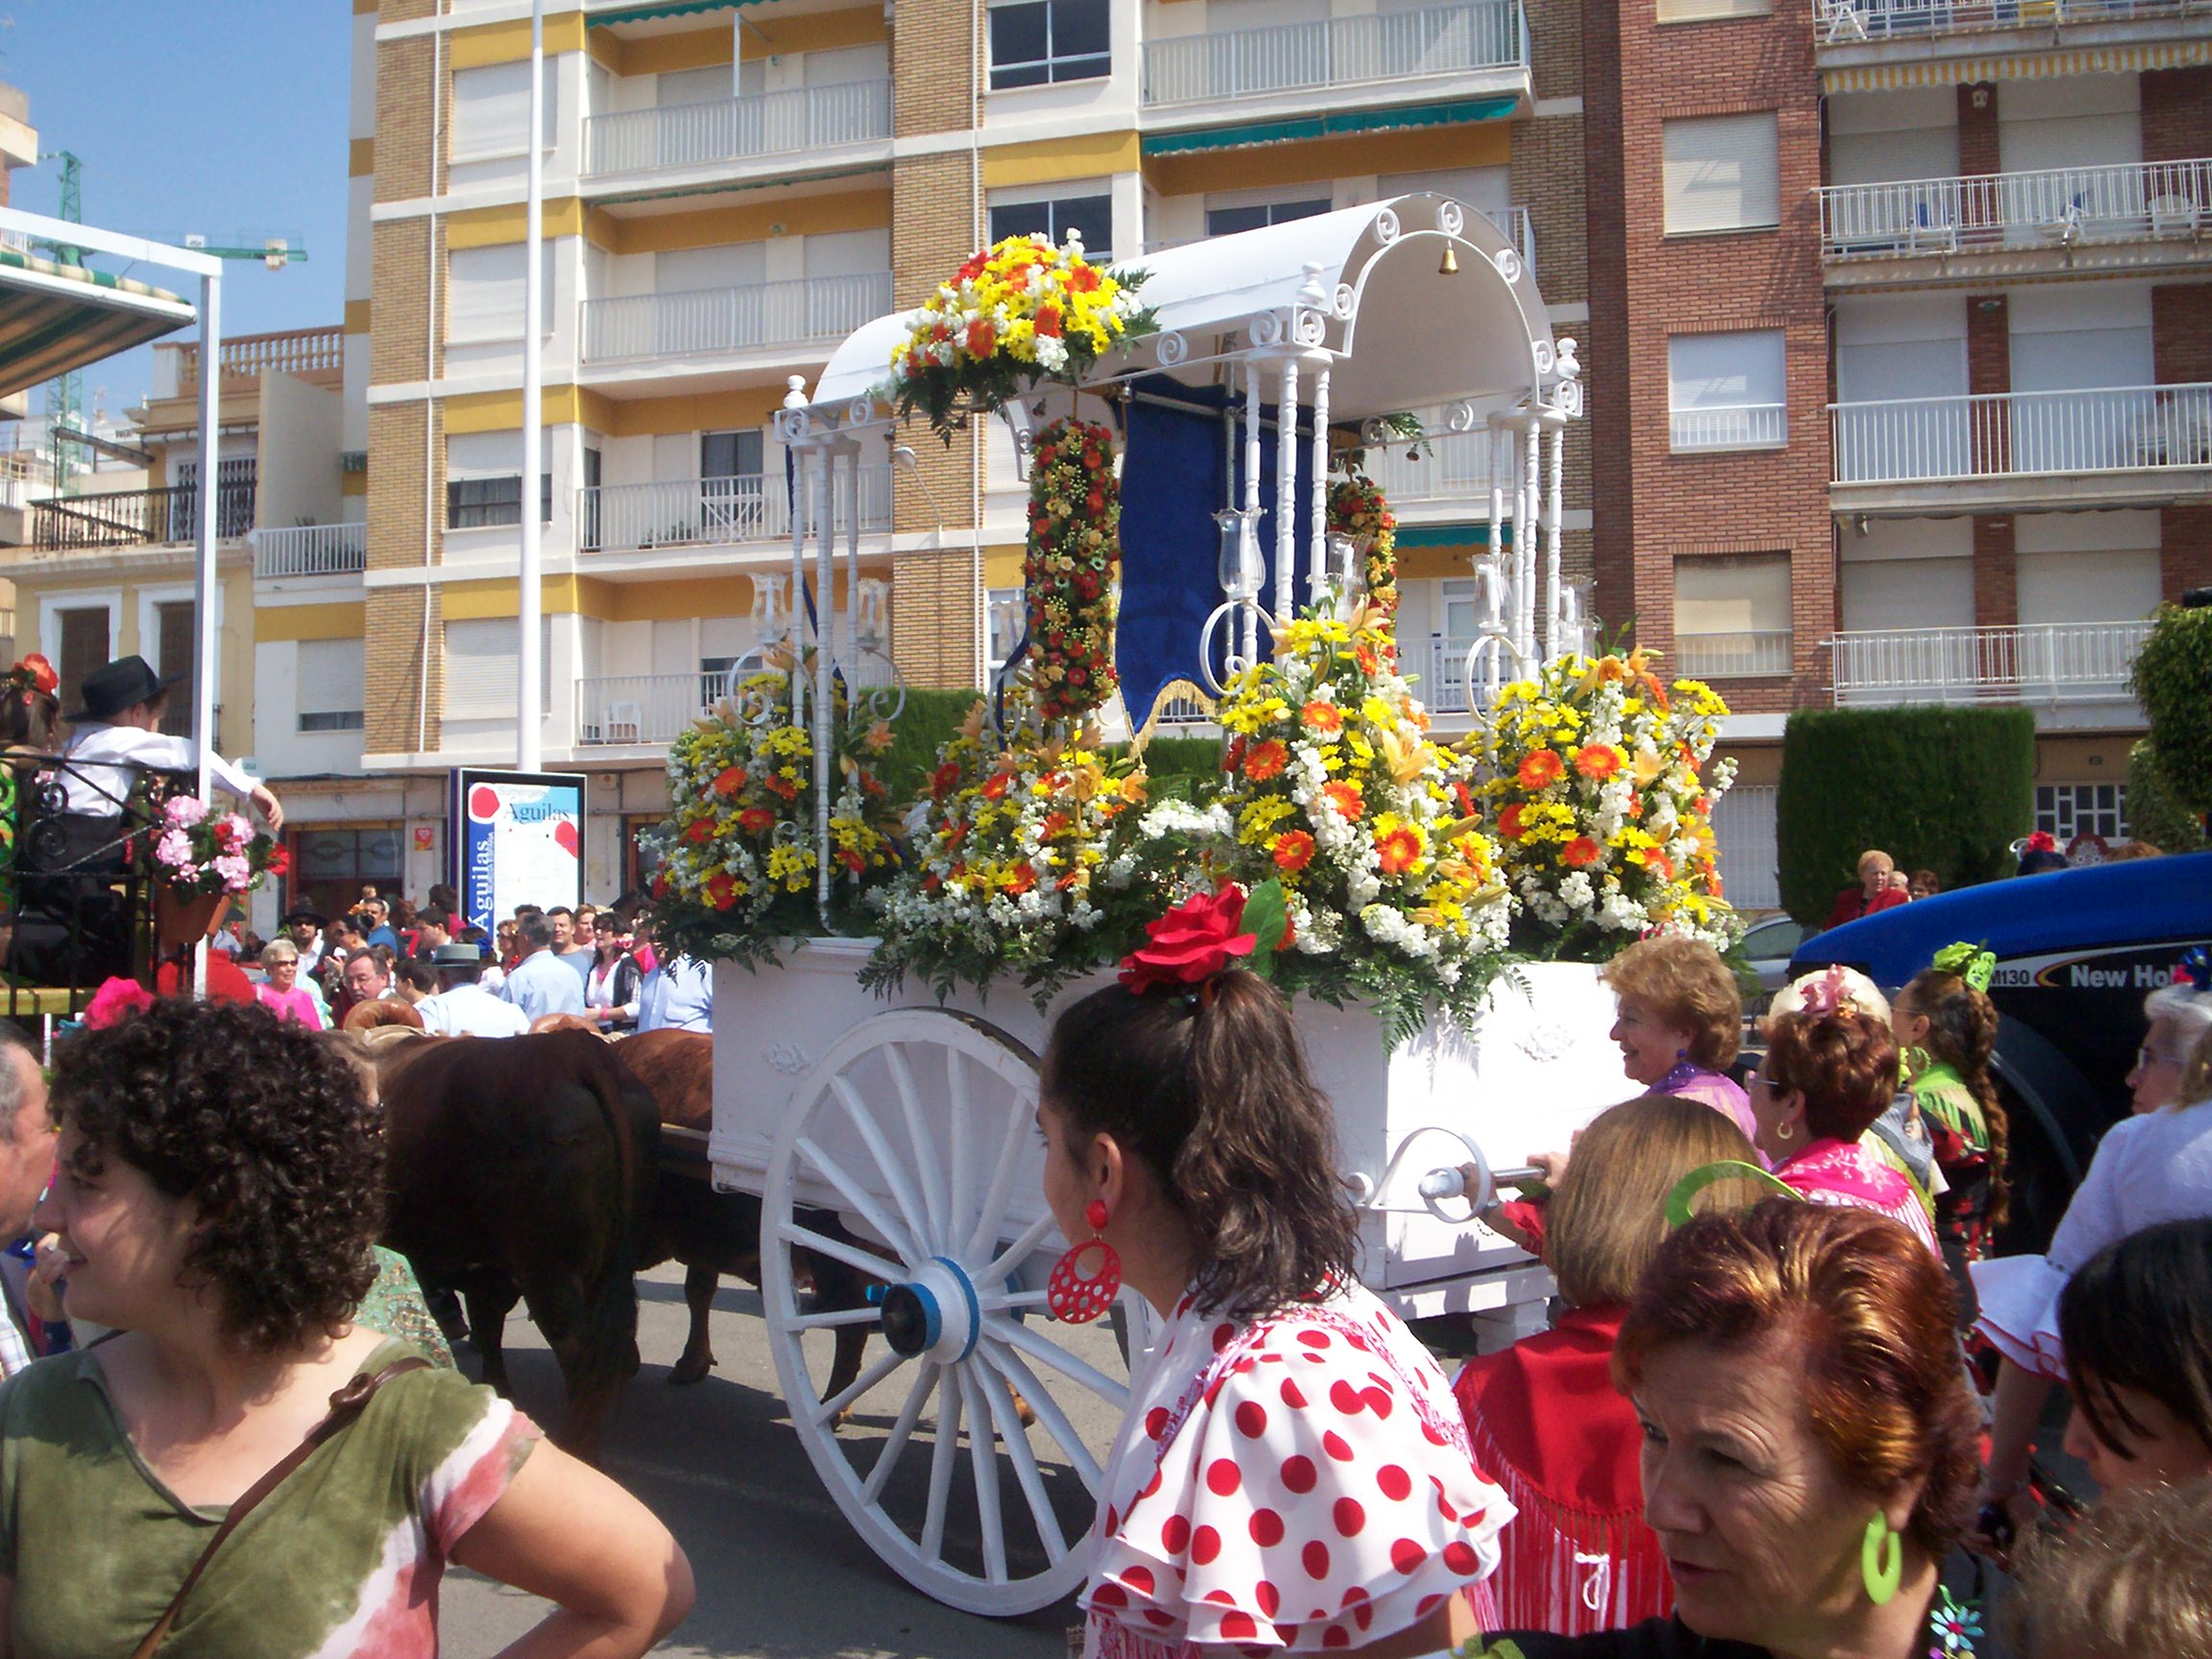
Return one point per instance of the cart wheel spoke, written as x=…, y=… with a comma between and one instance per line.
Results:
x=983, y=1461
x=1008, y=1423
x=857, y=1196
x=941, y=1460
x=1040, y=1399
x=902, y=1431
x=1019, y=1251
x=1001, y=1190
x=1007, y=1301
x=1021, y=1337
x=958, y=1109
x=827, y=1408
x=852, y=1254
x=938, y=1230
x=887, y=1162
x=829, y=1321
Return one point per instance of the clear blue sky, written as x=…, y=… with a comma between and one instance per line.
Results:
x=206, y=116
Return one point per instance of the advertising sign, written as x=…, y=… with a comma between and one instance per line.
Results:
x=517, y=839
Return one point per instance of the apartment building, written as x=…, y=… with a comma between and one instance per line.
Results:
x=730, y=190
x=1913, y=313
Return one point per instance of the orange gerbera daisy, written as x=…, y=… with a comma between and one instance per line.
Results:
x=1345, y=796
x=996, y=785
x=1581, y=852
x=1509, y=822
x=1659, y=864
x=1397, y=851
x=1265, y=760
x=754, y=819
x=1322, y=717
x=1020, y=879
x=1540, y=769
x=1293, y=850
x=729, y=780
x=1599, y=760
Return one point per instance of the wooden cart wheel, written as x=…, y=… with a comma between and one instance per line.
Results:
x=917, y=1129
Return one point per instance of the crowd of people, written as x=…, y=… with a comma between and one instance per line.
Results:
x=598, y=965
x=1756, y=1425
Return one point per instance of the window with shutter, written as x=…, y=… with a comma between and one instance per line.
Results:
x=1037, y=42
x=1052, y=217
x=1726, y=390
x=174, y=625
x=491, y=110
x=84, y=640
x=331, y=674
x=1720, y=173
x=480, y=669
x=484, y=296
x=1732, y=615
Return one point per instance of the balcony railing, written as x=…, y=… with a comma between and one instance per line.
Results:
x=292, y=352
x=712, y=512
x=2052, y=662
x=1437, y=666
x=2059, y=208
x=643, y=708
x=136, y=517
x=735, y=128
x=1449, y=467
x=1733, y=427
x=1736, y=655
x=1334, y=52
x=731, y=319
x=1846, y=22
x=2004, y=434
x=311, y=550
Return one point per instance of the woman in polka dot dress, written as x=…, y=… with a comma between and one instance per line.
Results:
x=1294, y=1472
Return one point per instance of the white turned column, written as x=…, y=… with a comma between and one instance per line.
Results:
x=1286, y=494
x=825, y=664
x=1525, y=533
x=1251, y=489
x=1317, y=552
x=1551, y=511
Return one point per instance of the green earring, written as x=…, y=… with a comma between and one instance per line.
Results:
x=1880, y=1560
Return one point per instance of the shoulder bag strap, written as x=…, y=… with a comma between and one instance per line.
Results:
x=345, y=1404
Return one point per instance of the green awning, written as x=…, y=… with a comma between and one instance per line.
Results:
x=55, y=318
x=1413, y=536
x=1458, y=113
x=664, y=8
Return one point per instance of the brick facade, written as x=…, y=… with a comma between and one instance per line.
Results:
x=398, y=526
x=2177, y=113
x=2181, y=352
x=1996, y=574
x=934, y=68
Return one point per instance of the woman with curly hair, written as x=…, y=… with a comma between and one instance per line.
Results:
x=1680, y=1018
x=210, y=1472
x=1947, y=1026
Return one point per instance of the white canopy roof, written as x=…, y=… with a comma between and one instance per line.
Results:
x=1367, y=285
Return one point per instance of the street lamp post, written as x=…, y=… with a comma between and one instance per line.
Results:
x=529, y=727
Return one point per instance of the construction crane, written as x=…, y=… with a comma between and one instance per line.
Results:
x=65, y=392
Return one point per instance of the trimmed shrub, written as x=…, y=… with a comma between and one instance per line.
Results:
x=1941, y=790
x=2172, y=681
x=2155, y=810
x=930, y=721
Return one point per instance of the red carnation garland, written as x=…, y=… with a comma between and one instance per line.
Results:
x=1071, y=570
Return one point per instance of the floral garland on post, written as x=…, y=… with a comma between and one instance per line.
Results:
x=1357, y=508
x=1604, y=819
x=1068, y=574
x=1014, y=312
x=737, y=851
x=1335, y=790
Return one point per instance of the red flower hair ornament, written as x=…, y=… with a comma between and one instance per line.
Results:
x=1190, y=944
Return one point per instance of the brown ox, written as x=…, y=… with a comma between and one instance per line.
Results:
x=716, y=1232
x=525, y=1167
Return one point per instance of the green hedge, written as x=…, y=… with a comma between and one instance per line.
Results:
x=1941, y=790
x=2155, y=810
x=2172, y=681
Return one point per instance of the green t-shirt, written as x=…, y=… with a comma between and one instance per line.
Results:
x=341, y=1559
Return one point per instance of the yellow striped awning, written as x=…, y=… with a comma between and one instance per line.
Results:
x=2039, y=64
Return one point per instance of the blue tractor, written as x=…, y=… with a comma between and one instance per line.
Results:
x=2077, y=952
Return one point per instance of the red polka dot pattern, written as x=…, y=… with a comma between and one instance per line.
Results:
x=1251, y=1419
x=1267, y=1529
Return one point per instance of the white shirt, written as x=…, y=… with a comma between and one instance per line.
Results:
x=471, y=1011
x=679, y=994
x=543, y=984
x=108, y=759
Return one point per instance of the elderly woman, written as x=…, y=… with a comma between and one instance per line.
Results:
x=1543, y=1416
x=2153, y=1167
x=1877, y=890
x=1292, y=1471
x=247, y=1468
x=282, y=993
x=1679, y=1018
x=1830, y=1072
x=1809, y=1438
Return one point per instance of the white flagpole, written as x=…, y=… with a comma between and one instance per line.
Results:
x=529, y=725
x=205, y=590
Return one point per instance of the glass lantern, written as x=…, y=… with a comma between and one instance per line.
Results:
x=873, y=615
x=771, y=607
x=1240, y=570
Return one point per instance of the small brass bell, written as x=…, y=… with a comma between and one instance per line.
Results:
x=1451, y=265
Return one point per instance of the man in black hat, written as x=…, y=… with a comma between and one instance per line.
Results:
x=305, y=924
x=118, y=730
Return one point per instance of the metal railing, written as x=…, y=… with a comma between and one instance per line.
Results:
x=1448, y=466
x=311, y=550
x=2057, y=207
x=1733, y=656
x=132, y=518
x=1729, y=426
x=732, y=129
x=1437, y=666
x=711, y=512
x=291, y=351
x=1999, y=434
x=1847, y=22
x=1335, y=52
x=644, y=708
x=2050, y=661
x=732, y=318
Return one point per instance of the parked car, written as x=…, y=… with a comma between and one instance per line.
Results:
x=1769, y=945
x=2077, y=952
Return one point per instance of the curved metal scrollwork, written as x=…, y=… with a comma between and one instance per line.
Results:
x=1451, y=218
x=1171, y=348
x=1233, y=660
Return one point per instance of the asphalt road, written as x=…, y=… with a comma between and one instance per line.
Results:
x=780, y=1570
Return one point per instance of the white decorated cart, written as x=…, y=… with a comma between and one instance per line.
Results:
x=968, y=1451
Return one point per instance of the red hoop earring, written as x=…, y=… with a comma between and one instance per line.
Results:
x=1075, y=1297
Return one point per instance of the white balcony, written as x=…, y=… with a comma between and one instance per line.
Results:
x=2145, y=215
x=1437, y=666
x=1728, y=426
x=718, y=321
x=1841, y=24
x=804, y=121
x=750, y=508
x=2056, y=663
x=2121, y=446
x=1737, y=655
x=614, y=710
x=1411, y=53
x=311, y=550
x=1450, y=468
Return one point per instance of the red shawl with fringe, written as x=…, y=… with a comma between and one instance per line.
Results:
x=1549, y=1428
